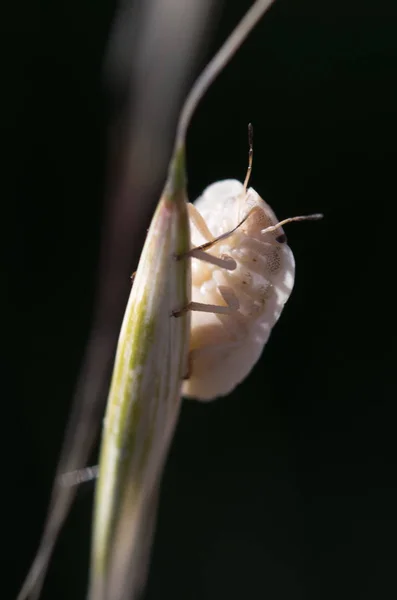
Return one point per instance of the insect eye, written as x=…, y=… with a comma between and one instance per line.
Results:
x=281, y=239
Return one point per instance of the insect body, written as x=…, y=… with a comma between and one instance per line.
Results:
x=250, y=291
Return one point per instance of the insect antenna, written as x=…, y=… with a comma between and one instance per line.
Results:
x=250, y=155
x=314, y=217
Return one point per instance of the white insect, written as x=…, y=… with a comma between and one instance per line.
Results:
x=239, y=288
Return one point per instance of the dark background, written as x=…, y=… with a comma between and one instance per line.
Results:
x=286, y=489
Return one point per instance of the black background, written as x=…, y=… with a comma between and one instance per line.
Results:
x=287, y=488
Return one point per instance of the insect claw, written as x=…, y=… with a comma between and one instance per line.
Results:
x=179, y=313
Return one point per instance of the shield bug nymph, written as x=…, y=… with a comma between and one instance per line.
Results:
x=242, y=275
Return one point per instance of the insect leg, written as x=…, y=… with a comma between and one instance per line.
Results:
x=232, y=304
x=224, y=262
x=232, y=307
x=199, y=222
x=223, y=236
x=200, y=253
